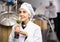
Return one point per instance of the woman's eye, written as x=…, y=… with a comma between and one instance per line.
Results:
x=19, y=11
x=24, y=11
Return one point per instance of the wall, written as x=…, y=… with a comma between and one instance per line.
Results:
x=37, y=3
x=58, y=5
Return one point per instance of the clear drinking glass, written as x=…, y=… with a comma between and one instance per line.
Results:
x=18, y=22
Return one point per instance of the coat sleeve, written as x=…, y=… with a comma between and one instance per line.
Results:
x=37, y=36
x=11, y=36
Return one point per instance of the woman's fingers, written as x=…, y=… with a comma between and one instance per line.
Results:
x=17, y=29
x=24, y=33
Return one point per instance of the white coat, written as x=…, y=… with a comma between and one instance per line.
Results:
x=34, y=34
x=51, y=12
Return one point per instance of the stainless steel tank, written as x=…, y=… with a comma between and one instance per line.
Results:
x=8, y=19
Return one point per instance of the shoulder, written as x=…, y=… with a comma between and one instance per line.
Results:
x=35, y=26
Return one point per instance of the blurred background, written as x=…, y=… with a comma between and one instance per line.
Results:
x=9, y=15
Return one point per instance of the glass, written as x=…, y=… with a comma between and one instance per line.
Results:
x=17, y=34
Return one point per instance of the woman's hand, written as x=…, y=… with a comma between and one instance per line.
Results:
x=24, y=33
x=18, y=30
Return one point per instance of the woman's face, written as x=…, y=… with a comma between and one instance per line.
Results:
x=24, y=14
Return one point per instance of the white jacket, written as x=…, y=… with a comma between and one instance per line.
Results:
x=51, y=12
x=34, y=34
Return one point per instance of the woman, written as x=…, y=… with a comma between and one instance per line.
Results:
x=27, y=30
